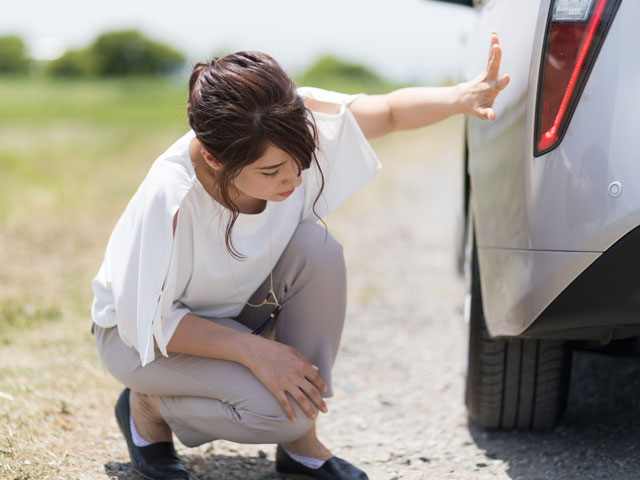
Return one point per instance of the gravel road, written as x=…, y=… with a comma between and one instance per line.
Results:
x=398, y=411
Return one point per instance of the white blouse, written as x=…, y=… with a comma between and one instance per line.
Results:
x=151, y=278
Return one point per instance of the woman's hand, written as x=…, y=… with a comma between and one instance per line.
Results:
x=478, y=95
x=282, y=369
x=416, y=107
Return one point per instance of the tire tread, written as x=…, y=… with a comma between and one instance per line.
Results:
x=517, y=383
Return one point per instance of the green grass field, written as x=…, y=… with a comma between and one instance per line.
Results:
x=58, y=139
x=71, y=154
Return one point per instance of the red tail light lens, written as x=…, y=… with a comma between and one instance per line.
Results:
x=574, y=36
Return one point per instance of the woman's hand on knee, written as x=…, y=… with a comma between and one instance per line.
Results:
x=284, y=370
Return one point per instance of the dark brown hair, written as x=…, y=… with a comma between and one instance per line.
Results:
x=241, y=104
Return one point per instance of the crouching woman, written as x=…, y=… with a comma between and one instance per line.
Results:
x=220, y=302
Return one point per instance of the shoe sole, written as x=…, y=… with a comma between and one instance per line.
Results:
x=293, y=476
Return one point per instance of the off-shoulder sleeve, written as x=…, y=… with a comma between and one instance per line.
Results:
x=139, y=254
x=346, y=159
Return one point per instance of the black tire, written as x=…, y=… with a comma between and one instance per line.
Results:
x=515, y=383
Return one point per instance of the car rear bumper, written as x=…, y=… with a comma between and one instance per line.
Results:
x=603, y=303
x=599, y=299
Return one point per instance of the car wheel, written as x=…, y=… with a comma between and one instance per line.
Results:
x=515, y=383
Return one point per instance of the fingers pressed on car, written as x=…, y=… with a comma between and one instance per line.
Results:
x=494, y=63
x=504, y=82
x=486, y=113
x=494, y=41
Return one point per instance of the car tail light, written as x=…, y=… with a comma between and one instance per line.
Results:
x=575, y=32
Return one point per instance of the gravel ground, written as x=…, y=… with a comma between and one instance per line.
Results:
x=398, y=411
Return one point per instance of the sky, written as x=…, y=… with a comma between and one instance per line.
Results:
x=404, y=40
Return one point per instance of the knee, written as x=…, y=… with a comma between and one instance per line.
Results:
x=297, y=429
x=317, y=248
x=197, y=420
x=264, y=414
x=271, y=425
x=285, y=431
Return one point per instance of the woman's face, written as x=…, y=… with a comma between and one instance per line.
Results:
x=273, y=177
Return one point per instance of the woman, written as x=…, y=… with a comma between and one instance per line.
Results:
x=220, y=301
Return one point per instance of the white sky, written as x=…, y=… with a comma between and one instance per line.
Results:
x=402, y=39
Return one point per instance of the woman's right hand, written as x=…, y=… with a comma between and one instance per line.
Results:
x=282, y=369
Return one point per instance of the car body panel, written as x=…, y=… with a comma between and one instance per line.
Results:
x=522, y=283
x=541, y=221
x=497, y=174
x=570, y=207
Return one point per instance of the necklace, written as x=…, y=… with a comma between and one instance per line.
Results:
x=276, y=304
x=271, y=293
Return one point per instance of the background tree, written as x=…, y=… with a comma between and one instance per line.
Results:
x=128, y=52
x=119, y=53
x=13, y=55
x=335, y=74
x=73, y=63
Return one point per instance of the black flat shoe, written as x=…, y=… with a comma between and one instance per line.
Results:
x=333, y=469
x=158, y=461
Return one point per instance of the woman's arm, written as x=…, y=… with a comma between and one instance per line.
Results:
x=281, y=368
x=416, y=107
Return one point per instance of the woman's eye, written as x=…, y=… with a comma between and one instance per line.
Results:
x=271, y=174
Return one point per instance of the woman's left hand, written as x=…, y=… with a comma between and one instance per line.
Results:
x=479, y=94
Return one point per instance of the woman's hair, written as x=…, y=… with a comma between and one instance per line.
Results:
x=241, y=104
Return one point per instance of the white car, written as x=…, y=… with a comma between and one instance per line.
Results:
x=551, y=221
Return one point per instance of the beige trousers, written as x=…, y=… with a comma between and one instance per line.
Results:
x=204, y=399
